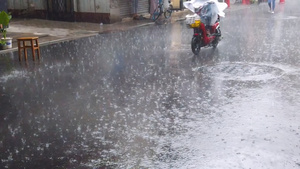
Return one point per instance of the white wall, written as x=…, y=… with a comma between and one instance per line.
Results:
x=38, y=4
x=85, y=6
x=17, y=4
x=25, y=4
x=102, y=6
x=92, y=6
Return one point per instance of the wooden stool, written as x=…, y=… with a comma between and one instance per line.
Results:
x=30, y=45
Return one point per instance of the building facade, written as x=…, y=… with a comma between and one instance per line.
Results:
x=3, y=5
x=98, y=11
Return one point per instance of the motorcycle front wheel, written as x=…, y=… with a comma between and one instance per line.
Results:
x=218, y=38
x=196, y=45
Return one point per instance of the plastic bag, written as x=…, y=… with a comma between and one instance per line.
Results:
x=194, y=5
x=209, y=13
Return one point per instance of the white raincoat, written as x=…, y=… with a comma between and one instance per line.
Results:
x=195, y=4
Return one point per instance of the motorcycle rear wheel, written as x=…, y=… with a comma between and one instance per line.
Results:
x=196, y=45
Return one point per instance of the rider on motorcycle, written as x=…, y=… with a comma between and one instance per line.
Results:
x=208, y=14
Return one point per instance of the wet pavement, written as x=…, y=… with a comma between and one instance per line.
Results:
x=141, y=99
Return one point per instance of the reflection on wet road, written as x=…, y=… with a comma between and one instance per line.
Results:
x=140, y=99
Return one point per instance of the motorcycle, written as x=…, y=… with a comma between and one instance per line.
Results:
x=205, y=22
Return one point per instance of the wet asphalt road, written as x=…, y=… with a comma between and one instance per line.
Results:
x=140, y=99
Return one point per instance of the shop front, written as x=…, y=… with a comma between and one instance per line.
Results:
x=125, y=7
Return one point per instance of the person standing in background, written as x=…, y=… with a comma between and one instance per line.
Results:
x=153, y=6
x=258, y=2
x=271, y=4
x=134, y=9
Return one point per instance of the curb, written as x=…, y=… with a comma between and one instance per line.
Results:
x=51, y=42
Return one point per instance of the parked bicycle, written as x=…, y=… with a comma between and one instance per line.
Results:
x=161, y=10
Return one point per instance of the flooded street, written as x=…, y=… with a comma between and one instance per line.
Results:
x=141, y=99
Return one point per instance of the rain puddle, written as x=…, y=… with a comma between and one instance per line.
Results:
x=239, y=71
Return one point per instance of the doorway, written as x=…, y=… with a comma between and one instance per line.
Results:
x=61, y=10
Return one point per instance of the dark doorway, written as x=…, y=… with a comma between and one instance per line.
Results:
x=61, y=10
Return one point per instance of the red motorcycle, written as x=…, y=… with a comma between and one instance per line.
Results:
x=206, y=25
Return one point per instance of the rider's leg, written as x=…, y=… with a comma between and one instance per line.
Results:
x=273, y=5
x=269, y=3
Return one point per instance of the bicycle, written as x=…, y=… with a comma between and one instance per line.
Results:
x=160, y=9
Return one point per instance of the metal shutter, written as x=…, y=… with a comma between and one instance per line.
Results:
x=143, y=6
x=125, y=7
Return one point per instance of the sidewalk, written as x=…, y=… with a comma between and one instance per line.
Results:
x=50, y=32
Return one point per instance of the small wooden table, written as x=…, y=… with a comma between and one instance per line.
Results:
x=33, y=45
